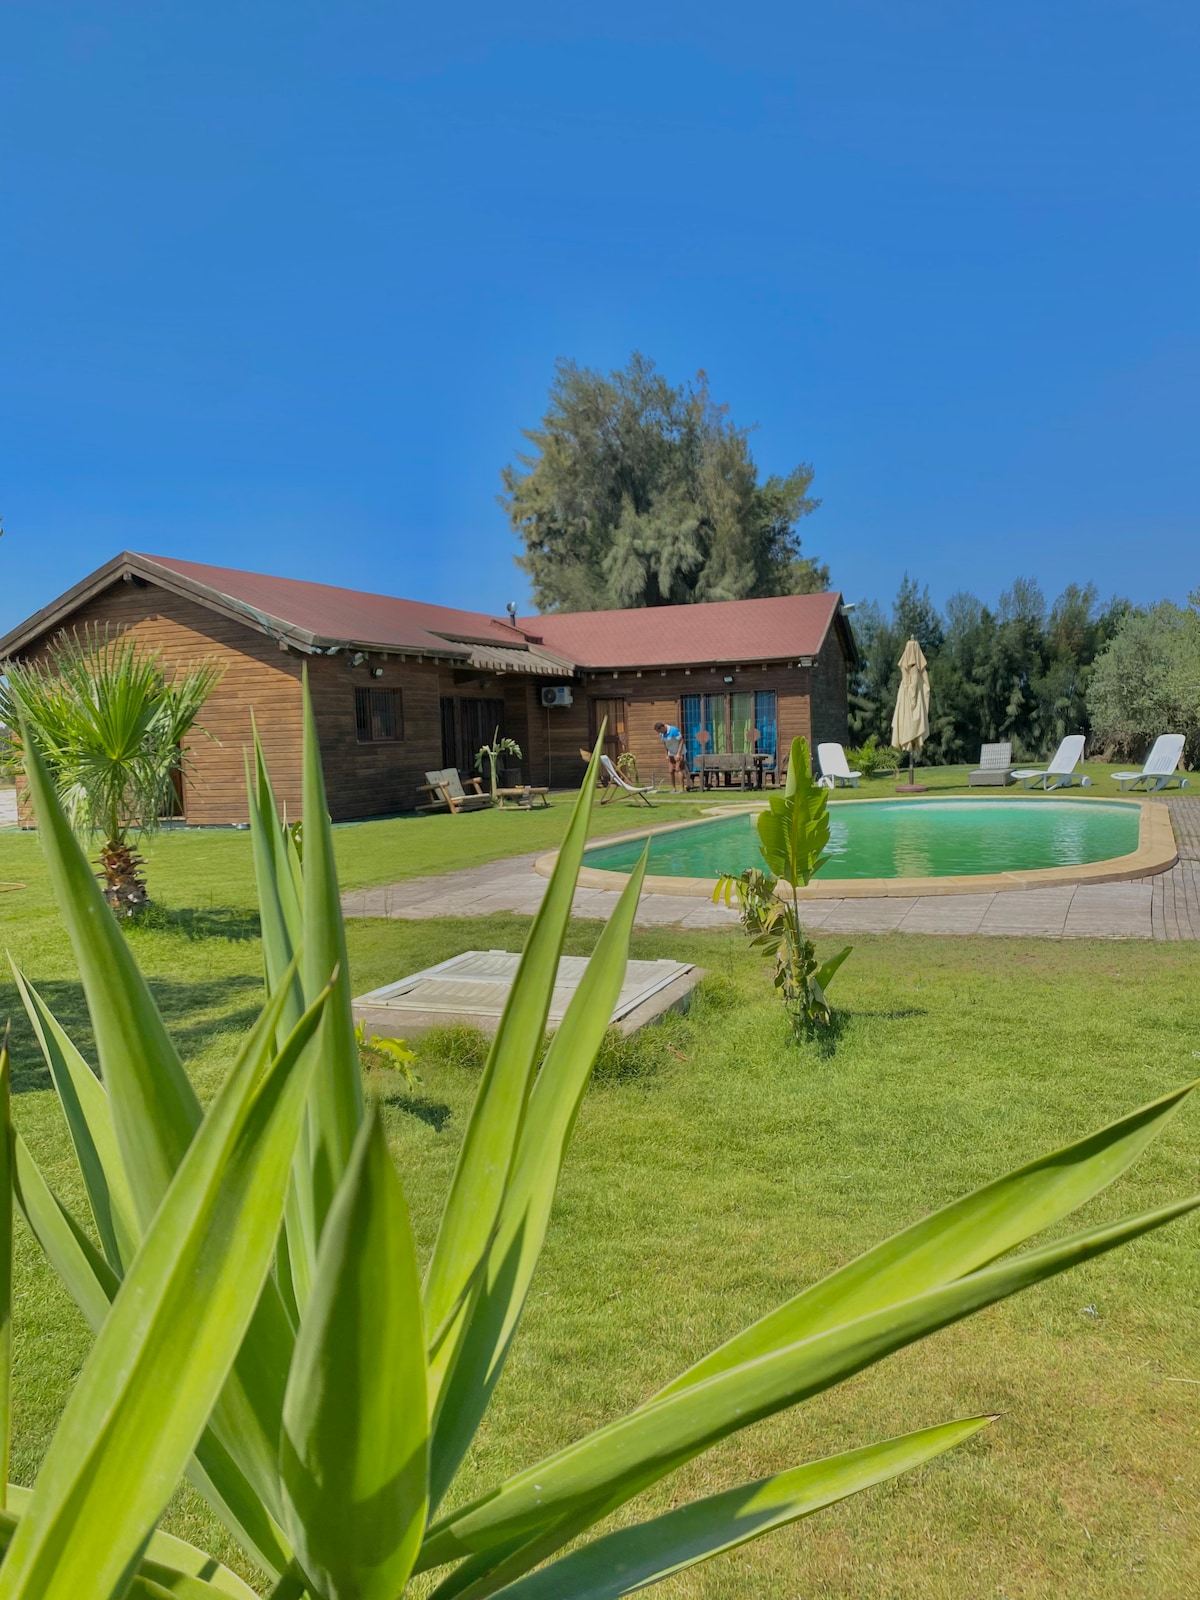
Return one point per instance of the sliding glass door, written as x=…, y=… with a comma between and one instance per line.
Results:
x=717, y=724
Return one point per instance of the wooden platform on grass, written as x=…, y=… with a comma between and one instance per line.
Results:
x=474, y=987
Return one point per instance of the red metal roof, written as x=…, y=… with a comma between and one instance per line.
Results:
x=349, y=615
x=655, y=636
x=721, y=631
x=321, y=616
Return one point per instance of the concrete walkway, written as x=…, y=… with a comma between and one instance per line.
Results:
x=1164, y=907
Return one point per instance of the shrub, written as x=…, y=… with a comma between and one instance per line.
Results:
x=1147, y=682
x=872, y=760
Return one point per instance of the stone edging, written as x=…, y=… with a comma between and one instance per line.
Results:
x=1156, y=852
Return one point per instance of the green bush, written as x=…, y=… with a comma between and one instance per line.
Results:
x=1147, y=682
x=872, y=760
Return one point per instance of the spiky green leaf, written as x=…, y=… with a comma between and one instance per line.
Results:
x=486, y=1155
x=169, y=1341
x=355, y=1423
x=495, y=1310
x=633, y=1558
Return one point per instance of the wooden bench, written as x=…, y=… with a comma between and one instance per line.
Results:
x=446, y=793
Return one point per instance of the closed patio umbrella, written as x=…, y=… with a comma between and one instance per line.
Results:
x=910, y=720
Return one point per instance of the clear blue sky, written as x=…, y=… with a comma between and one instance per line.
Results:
x=282, y=283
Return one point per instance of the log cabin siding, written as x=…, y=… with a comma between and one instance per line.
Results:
x=371, y=779
x=258, y=678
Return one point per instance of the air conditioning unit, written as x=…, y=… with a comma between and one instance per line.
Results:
x=558, y=696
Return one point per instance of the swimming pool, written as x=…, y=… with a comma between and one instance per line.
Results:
x=902, y=839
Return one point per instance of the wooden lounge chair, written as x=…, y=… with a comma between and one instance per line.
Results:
x=995, y=766
x=618, y=786
x=835, y=768
x=1060, y=772
x=1159, y=770
x=446, y=792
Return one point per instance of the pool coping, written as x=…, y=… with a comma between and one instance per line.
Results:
x=1156, y=852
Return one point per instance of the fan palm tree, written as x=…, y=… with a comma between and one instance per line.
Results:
x=110, y=721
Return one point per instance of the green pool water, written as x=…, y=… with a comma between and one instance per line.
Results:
x=904, y=839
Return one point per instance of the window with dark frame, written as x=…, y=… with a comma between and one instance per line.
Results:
x=378, y=716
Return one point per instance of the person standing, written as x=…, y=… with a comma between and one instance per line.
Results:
x=673, y=744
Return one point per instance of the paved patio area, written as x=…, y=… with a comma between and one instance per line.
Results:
x=1164, y=907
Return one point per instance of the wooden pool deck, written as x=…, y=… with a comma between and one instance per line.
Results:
x=1163, y=907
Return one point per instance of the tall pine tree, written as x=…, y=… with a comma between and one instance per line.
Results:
x=638, y=493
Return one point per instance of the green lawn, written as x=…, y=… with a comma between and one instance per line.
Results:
x=715, y=1169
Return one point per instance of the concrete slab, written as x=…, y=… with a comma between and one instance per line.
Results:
x=474, y=987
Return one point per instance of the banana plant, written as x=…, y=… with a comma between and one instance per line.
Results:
x=262, y=1326
x=793, y=832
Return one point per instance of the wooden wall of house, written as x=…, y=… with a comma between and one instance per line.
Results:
x=375, y=779
x=655, y=696
x=258, y=677
x=830, y=692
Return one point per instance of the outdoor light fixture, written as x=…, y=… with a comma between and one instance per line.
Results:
x=728, y=680
x=357, y=659
x=377, y=672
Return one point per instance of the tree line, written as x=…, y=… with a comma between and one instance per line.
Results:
x=1030, y=672
x=639, y=492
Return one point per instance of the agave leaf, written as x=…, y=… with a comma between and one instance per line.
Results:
x=554, y=1103
x=958, y=1239
x=486, y=1155
x=277, y=876
x=633, y=1558
x=164, y=1553
x=6, y=1239
x=85, y=1273
x=169, y=1341
x=279, y=905
x=89, y=1122
x=618, y=1461
x=155, y=1111
x=246, y=1425
x=93, y=1285
x=355, y=1426
x=335, y=1110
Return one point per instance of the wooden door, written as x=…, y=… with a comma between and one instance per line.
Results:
x=612, y=711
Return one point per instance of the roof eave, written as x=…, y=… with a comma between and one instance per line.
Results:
x=130, y=565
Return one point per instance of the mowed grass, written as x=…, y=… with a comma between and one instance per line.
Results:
x=715, y=1170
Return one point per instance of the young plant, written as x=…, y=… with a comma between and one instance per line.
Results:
x=262, y=1327
x=491, y=753
x=110, y=724
x=392, y=1054
x=874, y=760
x=793, y=834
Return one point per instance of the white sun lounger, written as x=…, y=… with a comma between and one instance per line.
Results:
x=1159, y=768
x=617, y=783
x=1060, y=772
x=834, y=767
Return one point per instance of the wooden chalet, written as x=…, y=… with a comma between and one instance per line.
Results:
x=400, y=687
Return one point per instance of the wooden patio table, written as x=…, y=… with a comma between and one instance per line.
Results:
x=523, y=795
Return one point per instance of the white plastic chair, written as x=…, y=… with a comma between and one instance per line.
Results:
x=1158, y=769
x=1060, y=772
x=834, y=767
